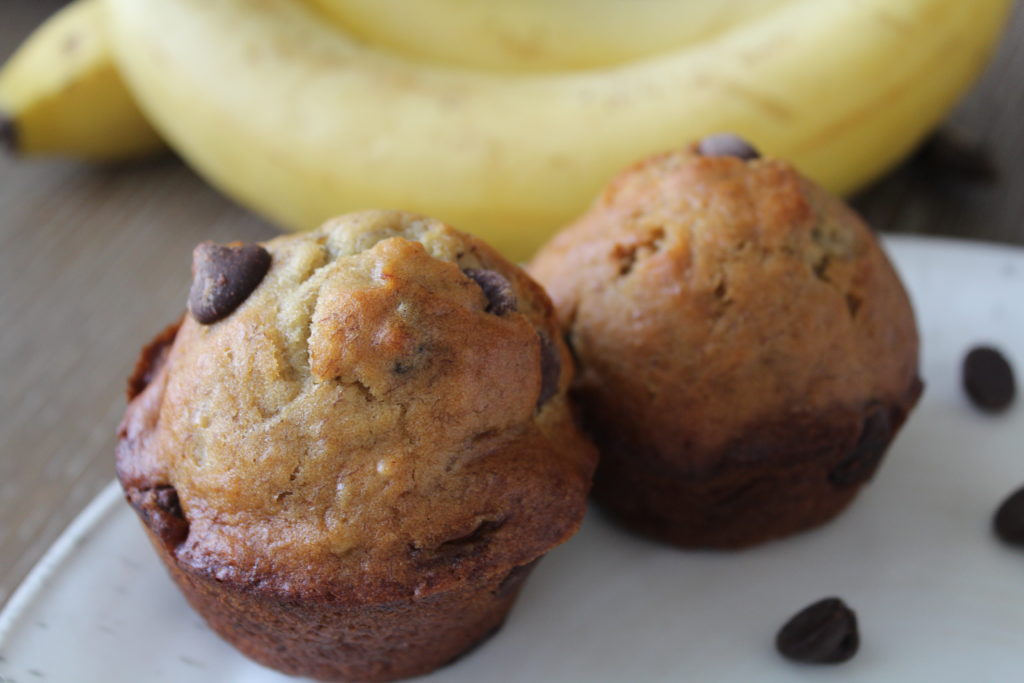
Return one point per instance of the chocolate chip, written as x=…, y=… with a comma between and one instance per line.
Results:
x=1009, y=519
x=727, y=145
x=160, y=509
x=455, y=550
x=550, y=369
x=823, y=633
x=501, y=299
x=223, y=276
x=167, y=500
x=860, y=463
x=470, y=543
x=988, y=379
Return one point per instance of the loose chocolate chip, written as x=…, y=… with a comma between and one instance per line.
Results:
x=1009, y=520
x=860, y=463
x=727, y=145
x=823, y=633
x=550, y=369
x=160, y=509
x=988, y=379
x=223, y=276
x=501, y=299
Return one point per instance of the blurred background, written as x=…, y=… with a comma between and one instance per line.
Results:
x=94, y=260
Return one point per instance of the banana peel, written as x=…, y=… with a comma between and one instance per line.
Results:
x=301, y=121
x=61, y=93
x=304, y=109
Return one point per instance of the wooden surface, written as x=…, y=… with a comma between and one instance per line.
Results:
x=94, y=261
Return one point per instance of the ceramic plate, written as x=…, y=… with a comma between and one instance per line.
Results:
x=937, y=596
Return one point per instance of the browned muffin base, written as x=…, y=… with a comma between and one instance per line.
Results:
x=308, y=635
x=374, y=642
x=784, y=477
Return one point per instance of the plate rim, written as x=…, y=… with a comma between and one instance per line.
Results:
x=70, y=539
x=950, y=242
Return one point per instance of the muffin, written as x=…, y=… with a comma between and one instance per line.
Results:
x=746, y=351
x=356, y=444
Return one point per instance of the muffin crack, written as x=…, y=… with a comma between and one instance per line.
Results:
x=821, y=268
x=628, y=255
x=365, y=391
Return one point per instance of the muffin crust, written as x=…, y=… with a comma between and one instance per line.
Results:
x=738, y=331
x=364, y=430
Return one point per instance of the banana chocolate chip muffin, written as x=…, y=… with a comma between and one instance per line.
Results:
x=746, y=350
x=356, y=444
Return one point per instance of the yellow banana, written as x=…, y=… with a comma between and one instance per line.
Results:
x=301, y=120
x=60, y=93
x=538, y=35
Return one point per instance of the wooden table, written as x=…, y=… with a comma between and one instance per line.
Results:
x=93, y=261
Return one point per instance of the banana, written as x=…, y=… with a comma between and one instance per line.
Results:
x=60, y=93
x=537, y=35
x=298, y=118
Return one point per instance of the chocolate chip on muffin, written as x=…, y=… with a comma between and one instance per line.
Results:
x=746, y=351
x=350, y=474
x=727, y=145
x=223, y=276
x=160, y=509
x=500, y=297
x=860, y=462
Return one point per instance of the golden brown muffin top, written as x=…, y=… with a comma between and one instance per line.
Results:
x=372, y=421
x=708, y=296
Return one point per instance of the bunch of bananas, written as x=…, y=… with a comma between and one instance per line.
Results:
x=502, y=118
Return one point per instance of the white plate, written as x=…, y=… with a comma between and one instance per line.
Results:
x=938, y=598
